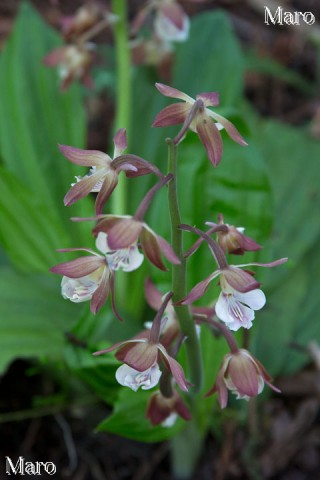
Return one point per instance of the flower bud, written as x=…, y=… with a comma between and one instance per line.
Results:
x=233, y=240
x=164, y=410
x=243, y=375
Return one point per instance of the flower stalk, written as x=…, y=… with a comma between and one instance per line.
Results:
x=179, y=276
x=122, y=114
x=123, y=94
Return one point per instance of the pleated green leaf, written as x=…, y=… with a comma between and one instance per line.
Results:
x=35, y=117
x=129, y=419
x=30, y=232
x=290, y=317
x=33, y=317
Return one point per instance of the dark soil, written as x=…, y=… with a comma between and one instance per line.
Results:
x=282, y=441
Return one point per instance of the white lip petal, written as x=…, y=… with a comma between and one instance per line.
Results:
x=255, y=299
x=167, y=30
x=233, y=313
x=129, y=377
x=79, y=290
x=101, y=243
x=126, y=259
x=170, y=421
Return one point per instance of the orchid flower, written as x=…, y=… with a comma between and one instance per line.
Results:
x=233, y=240
x=240, y=294
x=171, y=326
x=171, y=24
x=86, y=17
x=195, y=114
x=91, y=277
x=74, y=62
x=124, y=231
x=143, y=354
x=103, y=175
x=243, y=375
x=163, y=410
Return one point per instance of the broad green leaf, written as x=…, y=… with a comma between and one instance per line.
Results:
x=33, y=317
x=30, y=232
x=292, y=160
x=97, y=372
x=213, y=349
x=129, y=419
x=35, y=116
x=211, y=59
x=269, y=66
x=290, y=316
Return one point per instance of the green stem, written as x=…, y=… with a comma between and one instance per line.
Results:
x=119, y=200
x=179, y=277
x=186, y=448
x=123, y=96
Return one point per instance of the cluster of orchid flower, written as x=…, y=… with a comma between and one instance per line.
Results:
x=149, y=358
x=153, y=31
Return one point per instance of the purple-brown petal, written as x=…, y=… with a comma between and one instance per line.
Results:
x=82, y=188
x=124, y=233
x=157, y=411
x=115, y=346
x=175, y=14
x=198, y=290
x=120, y=141
x=172, y=92
x=151, y=248
x=182, y=409
x=79, y=267
x=275, y=263
x=210, y=138
x=100, y=296
x=152, y=294
x=244, y=376
x=172, y=115
x=175, y=368
x=106, y=222
x=248, y=244
x=86, y=158
x=109, y=184
x=210, y=99
x=230, y=129
x=55, y=57
x=239, y=279
x=167, y=250
x=134, y=166
x=140, y=356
